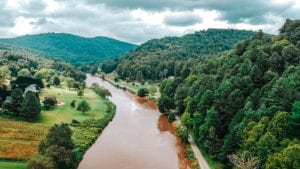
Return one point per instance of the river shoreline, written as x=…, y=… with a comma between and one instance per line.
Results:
x=118, y=146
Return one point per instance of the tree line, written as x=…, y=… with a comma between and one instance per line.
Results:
x=158, y=59
x=243, y=107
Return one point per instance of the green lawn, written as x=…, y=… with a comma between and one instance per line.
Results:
x=19, y=140
x=133, y=86
x=12, y=165
x=64, y=112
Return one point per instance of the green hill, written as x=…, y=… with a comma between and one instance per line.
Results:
x=160, y=58
x=15, y=61
x=243, y=106
x=71, y=48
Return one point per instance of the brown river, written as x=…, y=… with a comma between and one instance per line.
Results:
x=137, y=138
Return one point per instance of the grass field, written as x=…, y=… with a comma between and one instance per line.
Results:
x=19, y=140
x=133, y=86
x=64, y=112
x=12, y=165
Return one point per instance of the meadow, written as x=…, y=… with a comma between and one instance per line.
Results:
x=19, y=140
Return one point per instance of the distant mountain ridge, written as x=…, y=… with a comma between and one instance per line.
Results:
x=72, y=48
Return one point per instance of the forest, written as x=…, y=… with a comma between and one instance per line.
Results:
x=160, y=58
x=243, y=107
x=71, y=48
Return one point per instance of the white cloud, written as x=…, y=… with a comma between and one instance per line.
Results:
x=140, y=20
x=22, y=26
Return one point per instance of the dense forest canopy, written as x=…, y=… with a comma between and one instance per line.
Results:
x=70, y=48
x=16, y=62
x=160, y=58
x=244, y=104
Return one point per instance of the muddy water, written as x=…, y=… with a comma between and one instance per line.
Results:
x=137, y=138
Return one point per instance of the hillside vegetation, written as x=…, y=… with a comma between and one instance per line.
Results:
x=243, y=107
x=71, y=48
x=16, y=62
x=160, y=58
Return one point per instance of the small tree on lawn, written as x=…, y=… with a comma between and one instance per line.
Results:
x=80, y=93
x=83, y=106
x=56, y=81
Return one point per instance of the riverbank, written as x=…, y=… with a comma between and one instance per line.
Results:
x=133, y=86
x=191, y=151
x=136, y=138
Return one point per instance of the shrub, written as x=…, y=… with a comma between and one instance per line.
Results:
x=171, y=117
x=142, y=92
x=49, y=102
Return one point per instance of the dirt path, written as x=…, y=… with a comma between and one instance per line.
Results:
x=201, y=160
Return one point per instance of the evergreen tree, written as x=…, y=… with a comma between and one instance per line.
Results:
x=58, y=147
x=31, y=106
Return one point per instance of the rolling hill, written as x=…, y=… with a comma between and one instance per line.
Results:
x=71, y=48
x=164, y=57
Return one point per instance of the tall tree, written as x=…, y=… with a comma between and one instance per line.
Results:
x=31, y=106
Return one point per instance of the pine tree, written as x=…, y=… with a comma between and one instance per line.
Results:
x=31, y=106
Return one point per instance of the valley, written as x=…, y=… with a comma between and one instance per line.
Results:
x=74, y=102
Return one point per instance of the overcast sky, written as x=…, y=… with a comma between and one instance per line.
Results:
x=137, y=21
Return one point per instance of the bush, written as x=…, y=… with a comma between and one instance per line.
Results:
x=100, y=90
x=142, y=92
x=171, y=117
x=49, y=102
x=40, y=162
x=182, y=132
x=80, y=93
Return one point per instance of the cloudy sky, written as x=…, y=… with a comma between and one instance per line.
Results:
x=137, y=21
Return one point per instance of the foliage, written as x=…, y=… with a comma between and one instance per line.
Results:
x=13, y=107
x=17, y=62
x=58, y=147
x=158, y=59
x=56, y=81
x=71, y=48
x=142, y=92
x=24, y=72
x=83, y=106
x=86, y=133
x=60, y=135
x=40, y=162
x=245, y=101
x=49, y=102
x=182, y=133
x=286, y=159
x=241, y=161
x=22, y=82
x=171, y=117
x=80, y=93
x=100, y=90
x=31, y=107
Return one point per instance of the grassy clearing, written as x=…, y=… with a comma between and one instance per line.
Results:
x=133, y=86
x=64, y=112
x=12, y=165
x=19, y=140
